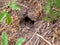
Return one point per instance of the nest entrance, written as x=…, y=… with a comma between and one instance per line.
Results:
x=27, y=22
x=27, y=19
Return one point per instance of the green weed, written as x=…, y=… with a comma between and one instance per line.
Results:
x=5, y=39
x=6, y=15
x=48, y=8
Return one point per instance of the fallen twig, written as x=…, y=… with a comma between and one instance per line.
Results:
x=35, y=43
x=22, y=5
x=44, y=39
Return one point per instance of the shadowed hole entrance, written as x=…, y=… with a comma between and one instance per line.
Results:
x=27, y=22
x=27, y=19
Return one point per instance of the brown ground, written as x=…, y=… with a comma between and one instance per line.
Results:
x=28, y=23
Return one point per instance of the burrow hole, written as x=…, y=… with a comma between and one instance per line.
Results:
x=27, y=22
x=27, y=19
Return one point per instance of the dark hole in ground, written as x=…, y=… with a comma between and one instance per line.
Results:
x=54, y=21
x=26, y=19
x=27, y=22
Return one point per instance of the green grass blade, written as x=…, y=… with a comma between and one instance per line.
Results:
x=8, y=19
x=20, y=41
x=3, y=15
x=46, y=19
x=4, y=38
x=52, y=15
x=48, y=2
x=13, y=6
x=47, y=7
x=57, y=3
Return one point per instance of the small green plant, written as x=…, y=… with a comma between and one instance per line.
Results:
x=13, y=6
x=6, y=15
x=19, y=41
x=51, y=14
x=5, y=39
